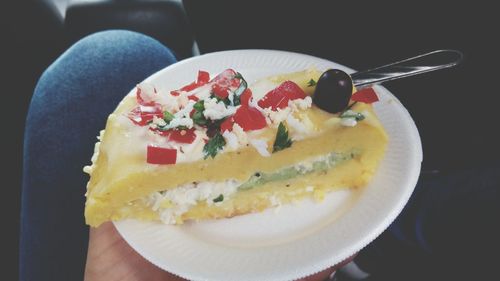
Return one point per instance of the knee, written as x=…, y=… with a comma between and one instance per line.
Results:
x=122, y=43
x=121, y=57
x=99, y=69
x=113, y=50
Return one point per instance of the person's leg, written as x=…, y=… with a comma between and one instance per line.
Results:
x=69, y=107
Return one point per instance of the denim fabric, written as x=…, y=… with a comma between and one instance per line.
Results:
x=69, y=107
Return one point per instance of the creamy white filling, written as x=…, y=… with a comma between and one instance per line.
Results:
x=173, y=203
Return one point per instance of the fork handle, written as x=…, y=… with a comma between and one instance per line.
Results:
x=416, y=65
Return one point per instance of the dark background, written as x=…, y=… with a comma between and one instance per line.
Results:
x=455, y=109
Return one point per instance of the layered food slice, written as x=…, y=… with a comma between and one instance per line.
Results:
x=218, y=148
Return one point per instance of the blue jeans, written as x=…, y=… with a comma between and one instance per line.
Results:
x=450, y=221
x=69, y=107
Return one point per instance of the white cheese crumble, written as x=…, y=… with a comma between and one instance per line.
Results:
x=202, y=92
x=183, y=100
x=231, y=140
x=240, y=134
x=186, y=110
x=348, y=122
x=261, y=146
x=173, y=203
x=193, y=151
x=169, y=103
x=216, y=110
x=296, y=125
x=148, y=92
x=157, y=122
x=184, y=121
x=300, y=104
x=254, y=102
x=274, y=118
x=181, y=117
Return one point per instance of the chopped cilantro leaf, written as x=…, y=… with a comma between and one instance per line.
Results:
x=213, y=145
x=352, y=114
x=243, y=86
x=220, y=198
x=199, y=118
x=199, y=105
x=311, y=83
x=238, y=76
x=226, y=101
x=167, y=116
x=282, y=140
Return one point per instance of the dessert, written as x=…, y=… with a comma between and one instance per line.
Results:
x=217, y=148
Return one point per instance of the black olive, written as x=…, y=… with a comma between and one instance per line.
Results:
x=333, y=91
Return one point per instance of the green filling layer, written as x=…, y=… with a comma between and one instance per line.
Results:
x=323, y=164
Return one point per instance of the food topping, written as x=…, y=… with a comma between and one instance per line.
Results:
x=208, y=116
x=203, y=78
x=282, y=140
x=161, y=155
x=213, y=145
x=279, y=97
x=144, y=114
x=333, y=91
x=365, y=95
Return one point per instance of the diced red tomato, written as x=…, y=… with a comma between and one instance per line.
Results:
x=193, y=98
x=226, y=79
x=182, y=136
x=366, y=95
x=203, y=77
x=279, y=97
x=141, y=99
x=143, y=114
x=192, y=112
x=227, y=125
x=161, y=155
x=246, y=96
x=190, y=87
x=220, y=91
x=249, y=118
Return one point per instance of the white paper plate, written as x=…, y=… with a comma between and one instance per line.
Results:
x=294, y=241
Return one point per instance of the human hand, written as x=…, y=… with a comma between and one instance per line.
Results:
x=110, y=258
